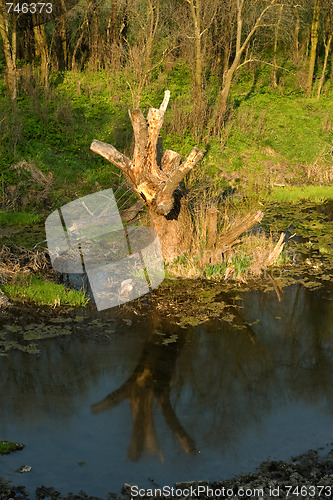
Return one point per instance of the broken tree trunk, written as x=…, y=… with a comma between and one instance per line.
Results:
x=156, y=181
x=155, y=177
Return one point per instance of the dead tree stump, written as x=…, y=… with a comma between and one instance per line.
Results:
x=156, y=181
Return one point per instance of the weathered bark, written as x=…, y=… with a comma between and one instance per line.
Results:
x=156, y=178
x=211, y=228
x=276, y=251
x=157, y=185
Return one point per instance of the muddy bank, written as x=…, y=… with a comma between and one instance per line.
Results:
x=307, y=476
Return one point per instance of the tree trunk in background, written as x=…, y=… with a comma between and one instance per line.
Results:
x=277, y=27
x=157, y=185
x=63, y=34
x=328, y=35
x=140, y=53
x=195, y=8
x=327, y=51
x=9, y=47
x=95, y=53
x=42, y=51
x=222, y=100
x=296, y=36
x=314, y=43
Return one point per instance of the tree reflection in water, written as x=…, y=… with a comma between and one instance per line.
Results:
x=150, y=379
x=276, y=351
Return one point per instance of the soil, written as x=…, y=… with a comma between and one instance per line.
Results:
x=307, y=476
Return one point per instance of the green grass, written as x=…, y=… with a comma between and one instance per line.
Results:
x=43, y=292
x=268, y=138
x=18, y=219
x=294, y=194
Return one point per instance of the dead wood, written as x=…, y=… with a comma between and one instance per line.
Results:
x=155, y=177
x=275, y=252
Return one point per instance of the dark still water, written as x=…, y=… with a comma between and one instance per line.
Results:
x=118, y=401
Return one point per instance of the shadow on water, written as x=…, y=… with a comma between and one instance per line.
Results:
x=97, y=407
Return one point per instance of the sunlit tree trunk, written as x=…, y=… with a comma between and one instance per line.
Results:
x=327, y=51
x=296, y=35
x=328, y=44
x=8, y=35
x=156, y=179
x=195, y=8
x=95, y=54
x=314, y=43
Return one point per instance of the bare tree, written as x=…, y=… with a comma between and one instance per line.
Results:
x=81, y=32
x=145, y=20
x=195, y=9
x=276, y=37
x=327, y=36
x=202, y=16
x=8, y=35
x=314, y=43
x=241, y=43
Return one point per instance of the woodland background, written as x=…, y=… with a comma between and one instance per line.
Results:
x=251, y=83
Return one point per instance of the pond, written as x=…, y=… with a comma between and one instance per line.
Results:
x=117, y=398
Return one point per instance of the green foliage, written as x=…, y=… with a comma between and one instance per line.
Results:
x=214, y=270
x=43, y=292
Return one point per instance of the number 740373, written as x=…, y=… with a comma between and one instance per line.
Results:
x=29, y=8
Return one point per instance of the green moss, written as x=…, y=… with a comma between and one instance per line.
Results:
x=43, y=292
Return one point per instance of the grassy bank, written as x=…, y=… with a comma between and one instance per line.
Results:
x=42, y=292
x=269, y=139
